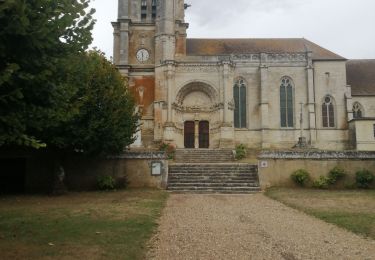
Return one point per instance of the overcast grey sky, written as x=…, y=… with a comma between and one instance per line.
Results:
x=346, y=27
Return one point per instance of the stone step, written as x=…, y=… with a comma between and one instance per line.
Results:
x=199, y=166
x=204, y=155
x=218, y=166
x=213, y=178
x=213, y=164
x=224, y=171
x=231, y=182
x=203, y=159
x=212, y=174
x=215, y=189
x=226, y=184
x=221, y=192
x=211, y=171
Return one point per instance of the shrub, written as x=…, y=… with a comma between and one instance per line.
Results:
x=335, y=175
x=240, y=152
x=364, y=178
x=322, y=183
x=106, y=182
x=300, y=177
x=169, y=149
x=121, y=183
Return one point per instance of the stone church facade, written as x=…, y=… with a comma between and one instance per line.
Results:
x=217, y=93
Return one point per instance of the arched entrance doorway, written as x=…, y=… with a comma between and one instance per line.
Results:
x=197, y=134
x=197, y=106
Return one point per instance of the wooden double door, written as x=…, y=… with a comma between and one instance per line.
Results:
x=197, y=133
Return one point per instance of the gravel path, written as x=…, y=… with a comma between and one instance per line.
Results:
x=249, y=227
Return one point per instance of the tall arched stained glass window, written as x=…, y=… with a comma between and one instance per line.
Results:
x=286, y=103
x=239, y=96
x=328, y=112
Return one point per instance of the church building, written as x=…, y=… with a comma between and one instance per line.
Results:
x=218, y=93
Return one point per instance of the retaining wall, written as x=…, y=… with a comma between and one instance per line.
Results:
x=275, y=167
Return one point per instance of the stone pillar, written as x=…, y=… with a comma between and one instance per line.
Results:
x=121, y=37
x=124, y=44
x=169, y=125
x=165, y=40
x=226, y=86
x=158, y=119
x=123, y=9
x=264, y=102
x=349, y=102
x=227, y=128
x=116, y=43
x=311, y=99
x=170, y=88
x=196, y=134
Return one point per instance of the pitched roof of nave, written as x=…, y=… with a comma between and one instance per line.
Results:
x=360, y=75
x=240, y=46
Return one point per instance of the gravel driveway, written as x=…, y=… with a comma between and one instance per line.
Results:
x=249, y=227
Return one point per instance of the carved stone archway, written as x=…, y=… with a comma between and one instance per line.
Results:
x=205, y=98
x=197, y=113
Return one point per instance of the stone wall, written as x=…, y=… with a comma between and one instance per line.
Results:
x=134, y=167
x=362, y=136
x=81, y=173
x=275, y=167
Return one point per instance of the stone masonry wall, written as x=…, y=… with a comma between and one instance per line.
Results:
x=275, y=167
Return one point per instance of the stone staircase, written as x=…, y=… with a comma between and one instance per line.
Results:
x=204, y=155
x=211, y=171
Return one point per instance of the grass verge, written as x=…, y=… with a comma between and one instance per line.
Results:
x=352, y=210
x=97, y=225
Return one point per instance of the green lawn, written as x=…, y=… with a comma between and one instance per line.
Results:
x=97, y=225
x=353, y=210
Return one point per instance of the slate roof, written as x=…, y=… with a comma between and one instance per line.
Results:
x=240, y=46
x=360, y=74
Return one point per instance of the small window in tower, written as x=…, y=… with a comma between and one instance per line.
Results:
x=374, y=131
x=154, y=3
x=143, y=9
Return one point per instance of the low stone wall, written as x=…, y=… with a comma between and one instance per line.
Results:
x=134, y=167
x=36, y=174
x=142, y=168
x=275, y=167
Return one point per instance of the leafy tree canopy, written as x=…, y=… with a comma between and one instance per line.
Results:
x=36, y=39
x=105, y=119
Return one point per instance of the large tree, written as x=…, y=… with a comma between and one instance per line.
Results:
x=36, y=39
x=104, y=118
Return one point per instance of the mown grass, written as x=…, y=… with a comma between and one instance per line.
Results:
x=353, y=210
x=113, y=225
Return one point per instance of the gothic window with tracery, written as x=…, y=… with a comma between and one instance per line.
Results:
x=286, y=103
x=357, y=110
x=328, y=112
x=239, y=96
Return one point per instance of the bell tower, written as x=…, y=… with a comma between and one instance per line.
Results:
x=156, y=27
x=148, y=37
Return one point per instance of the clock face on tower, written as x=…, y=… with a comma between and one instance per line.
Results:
x=143, y=55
